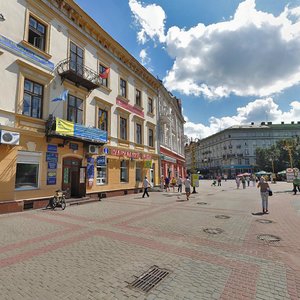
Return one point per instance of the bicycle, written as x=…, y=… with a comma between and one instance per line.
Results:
x=59, y=199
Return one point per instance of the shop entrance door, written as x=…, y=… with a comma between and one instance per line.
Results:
x=71, y=176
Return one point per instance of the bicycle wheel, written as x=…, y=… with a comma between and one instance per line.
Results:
x=54, y=203
x=63, y=202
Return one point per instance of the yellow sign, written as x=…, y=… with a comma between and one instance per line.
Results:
x=195, y=180
x=148, y=164
x=64, y=127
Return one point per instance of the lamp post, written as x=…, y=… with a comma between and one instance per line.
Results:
x=193, y=164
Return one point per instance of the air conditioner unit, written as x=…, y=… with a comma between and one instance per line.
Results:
x=10, y=137
x=93, y=149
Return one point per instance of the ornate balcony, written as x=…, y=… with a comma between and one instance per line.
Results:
x=79, y=74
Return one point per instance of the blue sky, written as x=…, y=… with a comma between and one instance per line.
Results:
x=230, y=61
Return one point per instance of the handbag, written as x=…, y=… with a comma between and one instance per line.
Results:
x=270, y=193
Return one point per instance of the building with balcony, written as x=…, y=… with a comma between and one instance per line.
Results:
x=77, y=111
x=232, y=151
x=171, y=135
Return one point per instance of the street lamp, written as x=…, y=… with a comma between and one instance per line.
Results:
x=193, y=164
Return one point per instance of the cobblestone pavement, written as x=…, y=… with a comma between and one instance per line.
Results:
x=209, y=245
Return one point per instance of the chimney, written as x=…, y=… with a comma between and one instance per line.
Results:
x=269, y=123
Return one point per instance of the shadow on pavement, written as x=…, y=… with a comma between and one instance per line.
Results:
x=258, y=214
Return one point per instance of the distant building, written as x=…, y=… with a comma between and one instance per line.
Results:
x=171, y=135
x=232, y=151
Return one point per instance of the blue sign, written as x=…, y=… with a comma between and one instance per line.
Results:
x=101, y=160
x=52, y=148
x=93, y=134
x=51, y=177
x=52, y=165
x=73, y=146
x=90, y=167
x=53, y=157
x=105, y=150
x=25, y=53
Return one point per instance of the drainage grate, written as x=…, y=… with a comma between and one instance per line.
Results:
x=149, y=279
x=222, y=217
x=269, y=238
x=202, y=203
x=213, y=230
x=264, y=221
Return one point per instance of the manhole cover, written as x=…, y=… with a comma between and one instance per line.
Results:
x=149, y=279
x=269, y=238
x=202, y=203
x=213, y=230
x=222, y=217
x=264, y=221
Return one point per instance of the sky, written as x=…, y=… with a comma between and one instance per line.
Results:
x=231, y=62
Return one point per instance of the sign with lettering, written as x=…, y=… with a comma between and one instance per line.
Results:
x=52, y=148
x=52, y=165
x=50, y=156
x=51, y=177
x=129, y=154
x=101, y=160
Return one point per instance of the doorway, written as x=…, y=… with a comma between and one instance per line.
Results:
x=71, y=177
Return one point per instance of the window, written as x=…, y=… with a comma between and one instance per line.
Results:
x=37, y=34
x=123, y=91
x=138, y=98
x=76, y=59
x=75, y=109
x=150, y=137
x=33, y=99
x=150, y=105
x=103, y=81
x=103, y=119
x=101, y=171
x=27, y=170
x=247, y=162
x=138, y=172
x=123, y=128
x=124, y=171
x=138, y=133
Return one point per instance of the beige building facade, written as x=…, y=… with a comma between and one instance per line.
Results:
x=64, y=126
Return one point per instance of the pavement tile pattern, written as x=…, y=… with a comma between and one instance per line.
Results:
x=94, y=251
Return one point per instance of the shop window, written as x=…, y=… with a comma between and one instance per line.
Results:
x=123, y=128
x=101, y=175
x=33, y=99
x=138, y=133
x=124, y=171
x=37, y=33
x=123, y=88
x=75, y=109
x=138, y=98
x=27, y=170
x=138, y=172
x=150, y=137
x=103, y=119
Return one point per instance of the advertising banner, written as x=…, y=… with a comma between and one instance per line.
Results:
x=195, y=180
x=64, y=127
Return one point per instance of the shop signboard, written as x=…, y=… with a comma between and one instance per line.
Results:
x=291, y=174
x=51, y=177
x=50, y=156
x=195, y=180
x=51, y=148
x=52, y=165
x=101, y=160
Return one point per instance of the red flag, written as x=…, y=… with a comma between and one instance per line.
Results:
x=105, y=74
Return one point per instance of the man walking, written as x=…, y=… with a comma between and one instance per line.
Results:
x=187, y=184
x=146, y=185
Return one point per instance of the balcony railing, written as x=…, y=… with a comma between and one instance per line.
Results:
x=79, y=74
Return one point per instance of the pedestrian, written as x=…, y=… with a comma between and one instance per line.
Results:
x=253, y=180
x=146, y=185
x=187, y=184
x=264, y=193
x=296, y=184
x=167, y=182
x=173, y=183
x=248, y=180
x=244, y=182
x=219, y=180
x=238, y=182
x=162, y=182
x=179, y=184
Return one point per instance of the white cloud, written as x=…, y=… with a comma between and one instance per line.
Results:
x=253, y=53
x=150, y=19
x=260, y=110
x=145, y=59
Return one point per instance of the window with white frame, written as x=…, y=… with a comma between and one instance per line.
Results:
x=27, y=170
x=101, y=171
